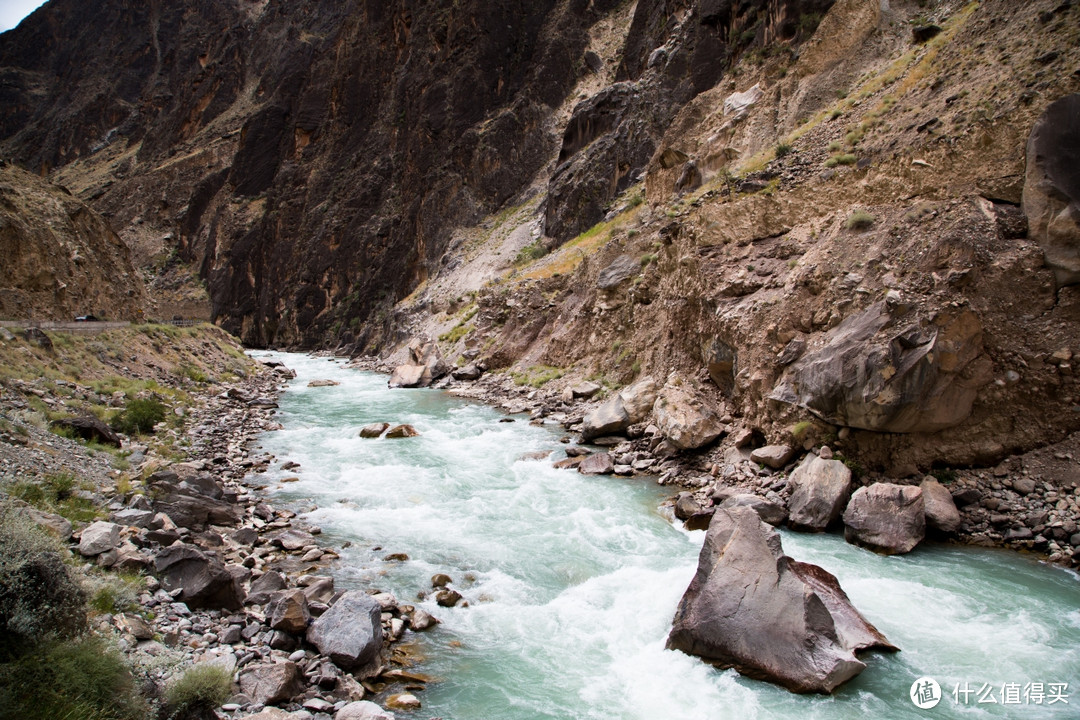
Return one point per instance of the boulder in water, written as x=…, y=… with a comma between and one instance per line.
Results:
x=886, y=518
x=819, y=490
x=770, y=617
x=350, y=632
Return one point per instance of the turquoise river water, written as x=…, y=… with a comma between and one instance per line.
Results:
x=572, y=581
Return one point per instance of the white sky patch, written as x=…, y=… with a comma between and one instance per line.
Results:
x=13, y=11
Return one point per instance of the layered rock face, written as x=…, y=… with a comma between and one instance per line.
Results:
x=755, y=609
x=61, y=259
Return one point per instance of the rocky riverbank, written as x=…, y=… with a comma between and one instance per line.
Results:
x=187, y=564
x=1029, y=502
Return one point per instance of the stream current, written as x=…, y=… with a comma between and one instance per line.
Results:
x=572, y=581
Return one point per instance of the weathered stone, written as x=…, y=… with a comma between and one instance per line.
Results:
x=135, y=625
x=753, y=608
x=99, y=537
x=619, y=271
x=203, y=580
x=886, y=518
x=402, y=431
x=941, y=512
x=447, y=597
x=403, y=701
x=133, y=517
x=467, y=373
x=409, y=376
x=439, y=580
x=58, y=525
x=770, y=512
x=685, y=419
x=293, y=539
x=323, y=383
x=288, y=612
x=1023, y=485
x=773, y=456
x=868, y=374
x=584, y=389
x=194, y=511
x=721, y=364
x=350, y=632
x=629, y=406
x=270, y=683
x=90, y=428
x=374, y=430
x=363, y=710
x=1052, y=187
x=266, y=585
x=686, y=505
x=421, y=620
x=967, y=496
x=596, y=464
x=819, y=491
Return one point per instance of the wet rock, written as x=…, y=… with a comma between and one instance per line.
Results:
x=402, y=431
x=403, y=701
x=770, y=617
x=409, y=376
x=686, y=505
x=596, y=464
x=374, y=430
x=421, y=620
x=770, y=512
x=350, y=632
x=941, y=512
x=99, y=537
x=323, y=383
x=426, y=365
x=270, y=683
x=288, y=612
x=871, y=374
x=886, y=518
x=202, y=580
x=819, y=491
x=773, y=456
x=685, y=419
x=1051, y=197
x=447, y=597
x=440, y=580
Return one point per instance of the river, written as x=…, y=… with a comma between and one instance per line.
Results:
x=572, y=581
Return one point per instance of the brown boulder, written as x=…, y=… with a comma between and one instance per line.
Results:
x=755, y=609
x=886, y=518
x=374, y=430
x=941, y=512
x=270, y=683
x=819, y=491
x=288, y=611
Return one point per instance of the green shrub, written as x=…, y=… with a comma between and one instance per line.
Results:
x=140, y=415
x=198, y=691
x=783, y=149
x=533, y=251
x=80, y=680
x=39, y=597
x=860, y=220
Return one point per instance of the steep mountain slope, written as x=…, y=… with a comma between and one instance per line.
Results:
x=811, y=209
x=60, y=258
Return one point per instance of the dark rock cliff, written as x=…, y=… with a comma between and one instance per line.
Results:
x=312, y=159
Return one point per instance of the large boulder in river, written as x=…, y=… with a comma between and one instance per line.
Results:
x=685, y=418
x=939, y=507
x=201, y=578
x=886, y=518
x=770, y=617
x=425, y=366
x=875, y=373
x=1052, y=187
x=819, y=490
x=350, y=632
x=631, y=405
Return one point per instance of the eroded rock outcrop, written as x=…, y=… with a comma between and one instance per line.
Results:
x=1052, y=187
x=755, y=609
x=877, y=371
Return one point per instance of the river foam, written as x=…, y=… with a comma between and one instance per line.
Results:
x=572, y=581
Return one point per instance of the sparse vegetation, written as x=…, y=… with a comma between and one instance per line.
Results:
x=533, y=251
x=783, y=149
x=860, y=220
x=536, y=376
x=197, y=692
x=140, y=415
